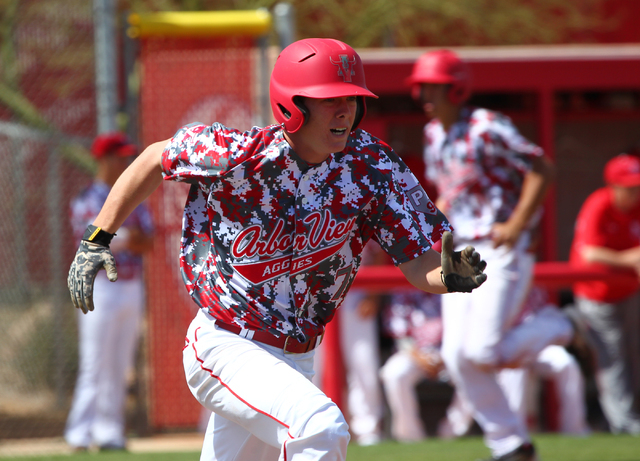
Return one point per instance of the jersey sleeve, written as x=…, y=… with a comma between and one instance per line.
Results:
x=199, y=153
x=502, y=139
x=410, y=223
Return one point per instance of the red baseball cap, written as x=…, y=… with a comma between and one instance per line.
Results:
x=623, y=170
x=113, y=144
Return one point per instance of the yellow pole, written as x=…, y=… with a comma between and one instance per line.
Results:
x=199, y=23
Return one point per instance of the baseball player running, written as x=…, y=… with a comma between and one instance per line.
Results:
x=491, y=183
x=273, y=228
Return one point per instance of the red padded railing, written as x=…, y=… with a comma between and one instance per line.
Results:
x=551, y=274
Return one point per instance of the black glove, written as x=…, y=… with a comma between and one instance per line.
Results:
x=90, y=259
x=462, y=271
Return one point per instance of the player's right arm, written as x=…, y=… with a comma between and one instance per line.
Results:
x=137, y=182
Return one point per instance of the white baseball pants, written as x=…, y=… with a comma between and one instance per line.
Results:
x=553, y=363
x=361, y=354
x=476, y=339
x=107, y=343
x=400, y=375
x=263, y=402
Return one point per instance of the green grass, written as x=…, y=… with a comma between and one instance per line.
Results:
x=551, y=447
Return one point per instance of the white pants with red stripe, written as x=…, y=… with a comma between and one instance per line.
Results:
x=263, y=402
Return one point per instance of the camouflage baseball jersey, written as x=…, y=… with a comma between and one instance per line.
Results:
x=478, y=168
x=272, y=243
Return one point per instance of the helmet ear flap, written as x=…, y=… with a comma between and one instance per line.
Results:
x=299, y=102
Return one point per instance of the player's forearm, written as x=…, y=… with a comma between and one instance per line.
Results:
x=138, y=181
x=534, y=190
x=625, y=259
x=424, y=272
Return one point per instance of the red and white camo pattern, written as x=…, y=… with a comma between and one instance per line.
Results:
x=478, y=167
x=273, y=243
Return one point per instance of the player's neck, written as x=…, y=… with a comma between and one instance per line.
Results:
x=448, y=115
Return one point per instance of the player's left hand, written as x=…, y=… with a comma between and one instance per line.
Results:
x=90, y=259
x=462, y=271
x=505, y=233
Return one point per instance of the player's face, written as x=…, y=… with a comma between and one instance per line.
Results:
x=327, y=128
x=434, y=98
x=113, y=166
x=626, y=198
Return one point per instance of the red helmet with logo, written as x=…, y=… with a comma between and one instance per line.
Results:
x=315, y=68
x=445, y=67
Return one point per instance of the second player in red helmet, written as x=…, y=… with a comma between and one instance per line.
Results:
x=491, y=184
x=442, y=67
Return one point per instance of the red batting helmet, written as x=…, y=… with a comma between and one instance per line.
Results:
x=315, y=68
x=442, y=66
x=113, y=143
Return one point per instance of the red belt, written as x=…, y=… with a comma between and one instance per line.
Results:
x=287, y=343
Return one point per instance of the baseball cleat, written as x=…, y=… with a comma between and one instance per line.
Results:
x=525, y=452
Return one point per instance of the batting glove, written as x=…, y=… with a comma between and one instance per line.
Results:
x=90, y=258
x=462, y=271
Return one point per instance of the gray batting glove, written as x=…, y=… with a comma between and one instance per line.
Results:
x=90, y=259
x=462, y=271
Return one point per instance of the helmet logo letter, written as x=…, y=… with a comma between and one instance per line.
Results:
x=345, y=66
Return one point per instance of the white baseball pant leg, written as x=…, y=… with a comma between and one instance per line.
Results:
x=458, y=419
x=474, y=326
x=514, y=384
x=459, y=416
x=107, y=344
x=265, y=406
x=400, y=374
x=523, y=343
x=361, y=354
x=556, y=364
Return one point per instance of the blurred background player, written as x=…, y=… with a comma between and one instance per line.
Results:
x=108, y=339
x=491, y=183
x=553, y=363
x=414, y=320
x=607, y=233
x=360, y=342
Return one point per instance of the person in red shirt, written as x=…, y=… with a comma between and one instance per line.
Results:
x=607, y=233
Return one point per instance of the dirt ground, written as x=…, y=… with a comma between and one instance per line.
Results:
x=57, y=445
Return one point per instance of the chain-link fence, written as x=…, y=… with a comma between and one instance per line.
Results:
x=47, y=120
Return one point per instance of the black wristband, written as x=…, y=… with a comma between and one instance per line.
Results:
x=95, y=234
x=444, y=282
